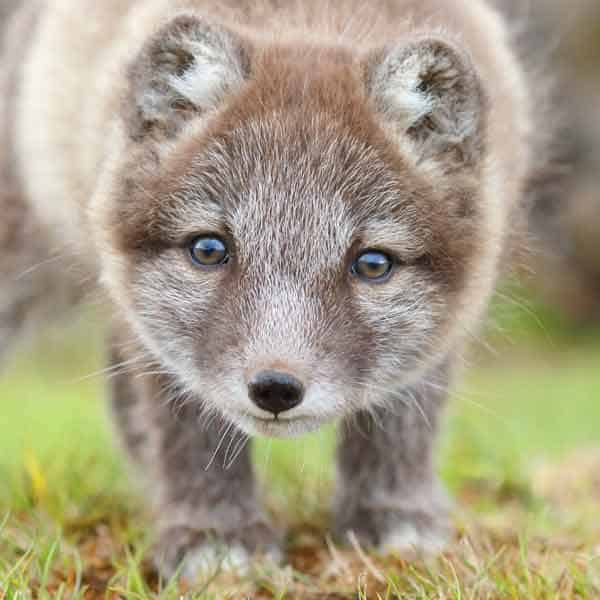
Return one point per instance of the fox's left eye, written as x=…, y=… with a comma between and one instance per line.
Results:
x=373, y=266
x=209, y=251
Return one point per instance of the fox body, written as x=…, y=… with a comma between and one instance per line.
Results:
x=297, y=212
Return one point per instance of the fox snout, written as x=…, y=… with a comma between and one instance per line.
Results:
x=276, y=392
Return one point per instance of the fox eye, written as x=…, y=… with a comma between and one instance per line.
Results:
x=373, y=266
x=209, y=251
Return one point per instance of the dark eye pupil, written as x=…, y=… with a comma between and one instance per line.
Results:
x=373, y=266
x=209, y=251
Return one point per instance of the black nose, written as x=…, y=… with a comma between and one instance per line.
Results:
x=275, y=392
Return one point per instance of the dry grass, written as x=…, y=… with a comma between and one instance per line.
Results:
x=513, y=551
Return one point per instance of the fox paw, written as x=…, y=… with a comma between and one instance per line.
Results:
x=411, y=533
x=409, y=539
x=197, y=555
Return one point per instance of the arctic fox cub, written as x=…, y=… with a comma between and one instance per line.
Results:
x=297, y=209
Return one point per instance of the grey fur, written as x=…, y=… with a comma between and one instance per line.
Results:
x=388, y=491
x=202, y=478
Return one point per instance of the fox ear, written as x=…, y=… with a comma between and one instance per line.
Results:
x=429, y=91
x=187, y=68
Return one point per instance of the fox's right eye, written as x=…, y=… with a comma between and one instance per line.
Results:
x=209, y=251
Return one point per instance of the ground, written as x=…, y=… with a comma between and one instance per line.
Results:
x=521, y=455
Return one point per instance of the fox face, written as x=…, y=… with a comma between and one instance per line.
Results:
x=295, y=232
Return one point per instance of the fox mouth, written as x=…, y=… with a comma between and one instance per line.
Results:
x=278, y=427
x=288, y=427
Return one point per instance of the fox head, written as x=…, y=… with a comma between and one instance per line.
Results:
x=296, y=232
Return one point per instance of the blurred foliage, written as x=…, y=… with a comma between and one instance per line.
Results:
x=565, y=226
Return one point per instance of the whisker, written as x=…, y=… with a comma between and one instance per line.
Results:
x=221, y=441
x=238, y=450
x=38, y=266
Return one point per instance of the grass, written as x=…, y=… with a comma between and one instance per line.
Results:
x=521, y=454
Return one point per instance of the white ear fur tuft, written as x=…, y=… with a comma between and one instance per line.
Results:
x=187, y=68
x=206, y=81
x=401, y=94
x=429, y=91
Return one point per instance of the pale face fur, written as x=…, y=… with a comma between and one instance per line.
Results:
x=300, y=160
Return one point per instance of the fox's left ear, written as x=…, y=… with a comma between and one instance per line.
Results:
x=428, y=90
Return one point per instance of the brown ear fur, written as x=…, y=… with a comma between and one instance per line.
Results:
x=428, y=90
x=186, y=68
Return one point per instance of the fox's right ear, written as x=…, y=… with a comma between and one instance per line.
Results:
x=187, y=68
